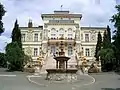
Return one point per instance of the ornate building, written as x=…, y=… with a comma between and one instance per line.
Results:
x=60, y=26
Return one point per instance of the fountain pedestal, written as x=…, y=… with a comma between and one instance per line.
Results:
x=61, y=72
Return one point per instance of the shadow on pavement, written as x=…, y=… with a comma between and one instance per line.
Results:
x=110, y=89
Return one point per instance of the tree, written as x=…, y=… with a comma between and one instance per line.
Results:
x=15, y=56
x=2, y=60
x=107, y=39
x=116, y=20
x=109, y=34
x=106, y=53
x=2, y=13
x=106, y=56
x=16, y=34
x=105, y=42
x=98, y=46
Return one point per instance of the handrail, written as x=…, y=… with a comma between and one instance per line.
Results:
x=77, y=58
x=44, y=59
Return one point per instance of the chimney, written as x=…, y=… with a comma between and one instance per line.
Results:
x=30, y=23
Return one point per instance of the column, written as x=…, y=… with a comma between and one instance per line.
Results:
x=66, y=64
x=57, y=64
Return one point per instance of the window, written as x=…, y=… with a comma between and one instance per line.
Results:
x=87, y=52
x=86, y=37
x=53, y=35
x=61, y=32
x=61, y=35
x=35, y=37
x=23, y=37
x=69, y=35
x=35, y=51
x=53, y=30
x=69, y=30
x=70, y=51
x=53, y=49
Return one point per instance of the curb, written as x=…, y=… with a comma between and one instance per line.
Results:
x=2, y=75
x=29, y=79
x=90, y=83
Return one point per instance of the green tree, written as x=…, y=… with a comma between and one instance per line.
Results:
x=15, y=56
x=106, y=53
x=106, y=56
x=98, y=46
x=2, y=60
x=109, y=34
x=16, y=34
x=2, y=13
x=116, y=20
x=107, y=39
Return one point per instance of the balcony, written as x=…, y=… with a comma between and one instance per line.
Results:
x=60, y=21
x=52, y=40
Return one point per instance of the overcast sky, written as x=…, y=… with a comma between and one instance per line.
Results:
x=94, y=12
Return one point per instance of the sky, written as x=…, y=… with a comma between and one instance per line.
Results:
x=94, y=13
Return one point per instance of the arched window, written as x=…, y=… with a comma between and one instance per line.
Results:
x=70, y=30
x=53, y=33
x=53, y=30
x=70, y=34
x=70, y=51
x=53, y=49
x=61, y=32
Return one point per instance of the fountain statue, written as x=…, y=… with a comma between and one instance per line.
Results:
x=61, y=72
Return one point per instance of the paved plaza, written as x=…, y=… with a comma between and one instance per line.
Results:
x=26, y=81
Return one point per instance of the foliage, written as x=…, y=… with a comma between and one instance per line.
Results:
x=106, y=54
x=15, y=56
x=16, y=34
x=116, y=20
x=109, y=33
x=106, y=59
x=2, y=60
x=107, y=39
x=2, y=13
x=98, y=46
x=27, y=59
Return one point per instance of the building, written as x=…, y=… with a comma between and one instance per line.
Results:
x=57, y=27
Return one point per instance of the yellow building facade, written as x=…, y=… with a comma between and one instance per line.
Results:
x=60, y=26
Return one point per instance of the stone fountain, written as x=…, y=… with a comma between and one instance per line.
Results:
x=61, y=72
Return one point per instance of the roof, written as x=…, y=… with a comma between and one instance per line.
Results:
x=64, y=15
x=93, y=27
x=41, y=27
x=61, y=12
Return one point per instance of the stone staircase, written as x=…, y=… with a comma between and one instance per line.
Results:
x=43, y=69
x=48, y=63
x=72, y=62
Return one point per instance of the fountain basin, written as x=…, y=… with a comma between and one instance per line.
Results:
x=53, y=71
x=61, y=58
x=61, y=75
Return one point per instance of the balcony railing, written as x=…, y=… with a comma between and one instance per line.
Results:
x=61, y=21
x=61, y=38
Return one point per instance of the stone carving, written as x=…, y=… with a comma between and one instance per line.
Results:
x=93, y=35
x=93, y=68
x=92, y=51
x=29, y=35
x=29, y=51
